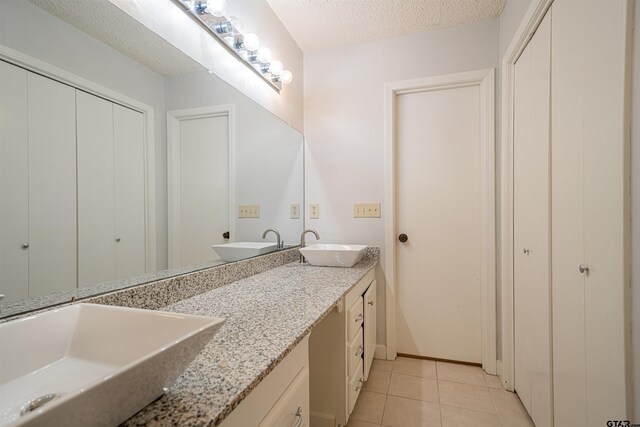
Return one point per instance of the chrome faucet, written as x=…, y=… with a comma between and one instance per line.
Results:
x=279, y=243
x=303, y=243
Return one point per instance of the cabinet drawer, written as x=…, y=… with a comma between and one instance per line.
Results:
x=355, y=316
x=354, y=352
x=355, y=385
x=292, y=409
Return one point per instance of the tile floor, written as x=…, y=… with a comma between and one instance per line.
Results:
x=413, y=392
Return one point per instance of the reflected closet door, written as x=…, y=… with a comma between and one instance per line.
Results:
x=52, y=186
x=96, y=218
x=129, y=168
x=14, y=182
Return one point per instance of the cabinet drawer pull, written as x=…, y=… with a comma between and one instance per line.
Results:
x=370, y=302
x=299, y=416
x=359, y=318
x=360, y=384
x=359, y=351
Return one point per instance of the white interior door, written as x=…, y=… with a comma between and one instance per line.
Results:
x=14, y=184
x=531, y=226
x=439, y=209
x=96, y=220
x=589, y=212
x=129, y=168
x=52, y=186
x=204, y=187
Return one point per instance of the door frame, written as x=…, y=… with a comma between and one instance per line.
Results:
x=174, y=117
x=484, y=79
x=530, y=22
x=58, y=74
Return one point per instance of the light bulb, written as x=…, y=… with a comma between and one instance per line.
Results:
x=216, y=7
x=238, y=25
x=251, y=42
x=286, y=77
x=229, y=40
x=276, y=68
x=264, y=54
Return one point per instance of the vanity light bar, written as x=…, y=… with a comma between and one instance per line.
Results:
x=211, y=15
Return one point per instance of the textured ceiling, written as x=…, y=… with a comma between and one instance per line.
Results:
x=107, y=23
x=319, y=24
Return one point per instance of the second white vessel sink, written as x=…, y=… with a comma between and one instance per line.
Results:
x=89, y=364
x=242, y=250
x=325, y=255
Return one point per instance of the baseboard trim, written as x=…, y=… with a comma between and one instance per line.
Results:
x=381, y=352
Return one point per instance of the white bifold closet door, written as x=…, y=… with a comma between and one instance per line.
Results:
x=111, y=227
x=14, y=184
x=531, y=227
x=589, y=211
x=52, y=186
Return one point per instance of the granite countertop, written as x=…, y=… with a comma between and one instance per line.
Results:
x=267, y=315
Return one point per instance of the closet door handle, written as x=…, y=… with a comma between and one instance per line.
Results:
x=25, y=246
x=525, y=251
x=403, y=238
x=583, y=269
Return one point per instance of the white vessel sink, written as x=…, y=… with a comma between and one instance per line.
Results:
x=333, y=255
x=89, y=364
x=243, y=250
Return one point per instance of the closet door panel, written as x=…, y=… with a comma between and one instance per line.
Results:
x=129, y=178
x=52, y=186
x=96, y=221
x=605, y=178
x=14, y=181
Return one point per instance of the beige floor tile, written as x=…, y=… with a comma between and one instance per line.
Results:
x=460, y=373
x=401, y=412
x=382, y=365
x=378, y=382
x=414, y=387
x=510, y=408
x=493, y=381
x=359, y=423
x=460, y=417
x=369, y=407
x=465, y=396
x=415, y=367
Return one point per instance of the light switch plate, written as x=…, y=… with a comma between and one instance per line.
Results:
x=249, y=211
x=314, y=211
x=295, y=211
x=366, y=210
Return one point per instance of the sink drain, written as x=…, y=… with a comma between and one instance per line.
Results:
x=37, y=403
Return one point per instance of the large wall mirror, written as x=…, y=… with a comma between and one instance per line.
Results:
x=119, y=166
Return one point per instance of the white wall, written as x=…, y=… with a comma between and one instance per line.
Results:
x=33, y=31
x=269, y=169
x=344, y=114
x=172, y=24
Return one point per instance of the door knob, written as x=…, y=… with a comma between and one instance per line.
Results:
x=25, y=246
x=225, y=235
x=117, y=239
x=403, y=238
x=525, y=251
x=583, y=269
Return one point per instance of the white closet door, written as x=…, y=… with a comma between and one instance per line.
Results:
x=204, y=187
x=588, y=211
x=14, y=182
x=52, y=186
x=532, y=263
x=96, y=220
x=128, y=128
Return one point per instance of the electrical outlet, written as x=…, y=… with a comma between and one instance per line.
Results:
x=295, y=211
x=314, y=211
x=366, y=210
x=249, y=211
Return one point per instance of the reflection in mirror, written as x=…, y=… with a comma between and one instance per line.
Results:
x=118, y=168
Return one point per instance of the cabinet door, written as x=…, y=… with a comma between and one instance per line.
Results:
x=531, y=226
x=129, y=167
x=292, y=408
x=52, y=186
x=588, y=211
x=14, y=181
x=370, y=339
x=96, y=222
